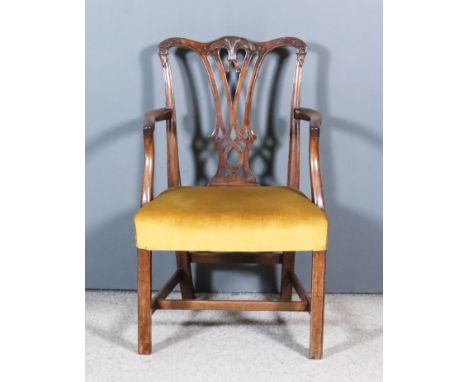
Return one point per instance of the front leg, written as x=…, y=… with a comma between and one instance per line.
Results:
x=317, y=304
x=144, y=301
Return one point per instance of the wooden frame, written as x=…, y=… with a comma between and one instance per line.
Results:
x=238, y=137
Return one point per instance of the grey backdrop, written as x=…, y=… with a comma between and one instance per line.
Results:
x=342, y=78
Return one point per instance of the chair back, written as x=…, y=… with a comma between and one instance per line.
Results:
x=233, y=63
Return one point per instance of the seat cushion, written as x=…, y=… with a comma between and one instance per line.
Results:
x=245, y=219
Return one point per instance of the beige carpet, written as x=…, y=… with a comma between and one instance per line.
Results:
x=233, y=346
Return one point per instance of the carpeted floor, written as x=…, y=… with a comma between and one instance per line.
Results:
x=233, y=346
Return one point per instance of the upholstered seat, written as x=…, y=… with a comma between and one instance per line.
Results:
x=247, y=219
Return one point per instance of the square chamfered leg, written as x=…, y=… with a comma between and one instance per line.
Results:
x=186, y=283
x=144, y=301
x=286, y=268
x=317, y=304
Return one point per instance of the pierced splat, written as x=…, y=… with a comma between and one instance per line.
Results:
x=229, y=59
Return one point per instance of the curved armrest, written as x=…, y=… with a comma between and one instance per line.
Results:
x=151, y=117
x=305, y=114
x=315, y=120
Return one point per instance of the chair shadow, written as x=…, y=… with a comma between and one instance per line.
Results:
x=111, y=246
x=188, y=328
x=277, y=328
x=115, y=333
x=128, y=317
x=355, y=240
x=132, y=126
x=268, y=328
x=356, y=332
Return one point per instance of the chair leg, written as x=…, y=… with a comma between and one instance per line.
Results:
x=144, y=301
x=186, y=284
x=317, y=304
x=286, y=286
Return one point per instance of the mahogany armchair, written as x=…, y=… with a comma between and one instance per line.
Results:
x=233, y=219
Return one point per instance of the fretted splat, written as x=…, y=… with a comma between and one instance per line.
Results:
x=233, y=64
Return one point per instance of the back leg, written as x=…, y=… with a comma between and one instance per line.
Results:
x=287, y=267
x=186, y=283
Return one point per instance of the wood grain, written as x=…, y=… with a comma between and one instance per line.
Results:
x=238, y=305
x=317, y=305
x=144, y=301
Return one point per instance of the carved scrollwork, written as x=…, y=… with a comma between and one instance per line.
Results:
x=232, y=45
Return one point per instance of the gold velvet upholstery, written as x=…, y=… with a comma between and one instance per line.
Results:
x=246, y=219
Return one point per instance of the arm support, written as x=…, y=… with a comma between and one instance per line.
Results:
x=151, y=118
x=315, y=120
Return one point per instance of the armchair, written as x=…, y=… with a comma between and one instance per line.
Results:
x=233, y=219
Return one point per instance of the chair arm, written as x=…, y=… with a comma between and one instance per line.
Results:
x=315, y=120
x=151, y=117
x=312, y=116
